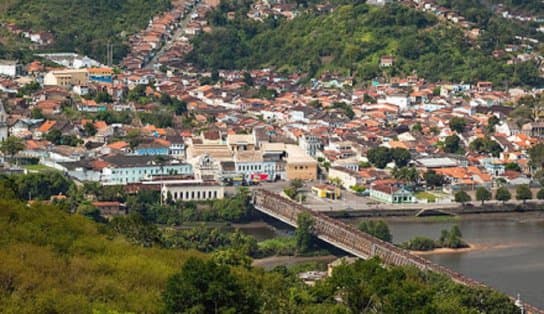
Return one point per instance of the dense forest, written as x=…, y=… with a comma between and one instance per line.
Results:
x=84, y=26
x=56, y=260
x=351, y=40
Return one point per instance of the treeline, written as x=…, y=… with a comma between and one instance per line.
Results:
x=85, y=26
x=351, y=40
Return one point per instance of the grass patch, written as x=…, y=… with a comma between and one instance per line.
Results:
x=426, y=196
x=38, y=168
x=278, y=246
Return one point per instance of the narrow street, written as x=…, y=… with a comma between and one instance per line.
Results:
x=178, y=33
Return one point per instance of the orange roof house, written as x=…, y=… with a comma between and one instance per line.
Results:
x=47, y=126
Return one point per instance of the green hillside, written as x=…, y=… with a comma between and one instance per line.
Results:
x=85, y=26
x=351, y=40
x=53, y=262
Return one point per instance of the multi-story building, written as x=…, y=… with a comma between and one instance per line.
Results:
x=310, y=144
x=299, y=164
x=134, y=169
x=66, y=78
x=253, y=167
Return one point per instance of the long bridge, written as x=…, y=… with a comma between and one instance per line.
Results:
x=354, y=241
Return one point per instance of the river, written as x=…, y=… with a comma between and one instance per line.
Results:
x=509, y=254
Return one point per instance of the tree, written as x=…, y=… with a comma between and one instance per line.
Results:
x=417, y=128
x=512, y=166
x=133, y=138
x=458, y=124
x=483, y=194
x=248, y=79
x=491, y=123
x=11, y=146
x=54, y=136
x=486, y=145
x=36, y=113
x=336, y=181
x=503, y=195
x=103, y=97
x=379, y=156
x=462, y=197
x=523, y=193
x=452, y=144
x=401, y=156
x=204, y=286
x=540, y=194
x=420, y=244
x=434, y=179
x=304, y=232
x=407, y=174
x=452, y=239
x=379, y=229
x=88, y=210
x=89, y=129
x=536, y=153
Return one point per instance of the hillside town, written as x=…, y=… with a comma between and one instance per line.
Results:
x=157, y=122
x=289, y=156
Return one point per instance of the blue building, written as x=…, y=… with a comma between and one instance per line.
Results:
x=135, y=169
x=152, y=149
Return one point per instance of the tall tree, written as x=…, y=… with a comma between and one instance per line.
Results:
x=503, y=195
x=379, y=156
x=207, y=287
x=523, y=193
x=458, y=124
x=11, y=146
x=379, y=229
x=434, y=179
x=462, y=197
x=483, y=194
x=304, y=232
x=452, y=144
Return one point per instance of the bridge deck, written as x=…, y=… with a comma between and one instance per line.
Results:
x=354, y=241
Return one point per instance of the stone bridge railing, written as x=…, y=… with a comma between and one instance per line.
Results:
x=352, y=240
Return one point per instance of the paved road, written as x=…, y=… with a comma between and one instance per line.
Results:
x=178, y=33
x=351, y=201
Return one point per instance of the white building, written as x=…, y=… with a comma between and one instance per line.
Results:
x=400, y=100
x=9, y=68
x=191, y=190
x=310, y=144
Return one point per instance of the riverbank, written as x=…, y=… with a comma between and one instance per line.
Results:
x=533, y=216
x=438, y=211
x=273, y=261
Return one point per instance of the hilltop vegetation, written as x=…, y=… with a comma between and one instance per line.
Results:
x=351, y=40
x=84, y=26
x=53, y=262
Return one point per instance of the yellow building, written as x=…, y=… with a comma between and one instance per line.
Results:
x=66, y=78
x=327, y=191
x=299, y=165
